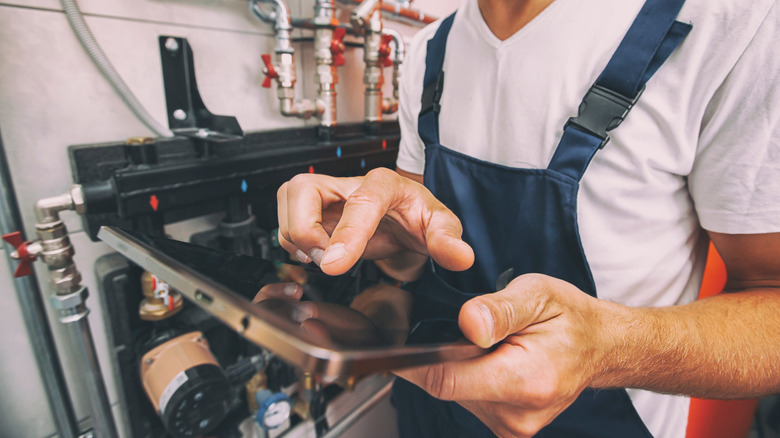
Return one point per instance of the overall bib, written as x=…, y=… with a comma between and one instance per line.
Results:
x=525, y=220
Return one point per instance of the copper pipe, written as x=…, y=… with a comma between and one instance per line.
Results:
x=395, y=8
x=408, y=13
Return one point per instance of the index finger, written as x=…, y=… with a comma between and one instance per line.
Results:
x=364, y=209
x=301, y=211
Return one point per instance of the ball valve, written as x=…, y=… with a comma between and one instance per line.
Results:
x=384, y=50
x=337, y=46
x=269, y=71
x=26, y=253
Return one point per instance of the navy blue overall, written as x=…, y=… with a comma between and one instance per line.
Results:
x=526, y=220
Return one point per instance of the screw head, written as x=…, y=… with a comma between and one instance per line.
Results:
x=180, y=114
x=172, y=45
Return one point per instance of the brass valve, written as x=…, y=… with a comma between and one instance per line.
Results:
x=160, y=301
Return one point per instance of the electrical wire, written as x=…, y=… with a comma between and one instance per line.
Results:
x=87, y=40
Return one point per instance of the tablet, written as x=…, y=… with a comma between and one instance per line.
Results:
x=339, y=343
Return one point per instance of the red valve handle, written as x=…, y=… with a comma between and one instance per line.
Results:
x=269, y=71
x=337, y=46
x=25, y=258
x=384, y=50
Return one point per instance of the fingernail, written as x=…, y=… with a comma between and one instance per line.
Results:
x=334, y=253
x=302, y=256
x=316, y=255
x=301, y=313
x=488, y=318
x=291, y=289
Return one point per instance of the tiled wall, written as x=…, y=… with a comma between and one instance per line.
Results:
x=52, y=96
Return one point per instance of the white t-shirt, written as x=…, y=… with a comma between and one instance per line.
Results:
x=701, y=149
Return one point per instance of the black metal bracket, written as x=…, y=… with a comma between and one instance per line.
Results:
x=187, y=115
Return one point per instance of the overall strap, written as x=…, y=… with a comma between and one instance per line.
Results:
x=433, y=83
x=650, y=40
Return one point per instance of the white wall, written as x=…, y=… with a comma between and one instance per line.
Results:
x=52, y=96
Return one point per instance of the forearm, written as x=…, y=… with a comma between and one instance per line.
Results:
x=727, y=346
x=403, y=267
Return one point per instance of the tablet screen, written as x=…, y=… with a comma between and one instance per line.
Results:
x=332, y=311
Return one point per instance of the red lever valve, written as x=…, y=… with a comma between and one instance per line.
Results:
x=22, y=253
x=269, y=71
x=384, y=50
x=337, y=46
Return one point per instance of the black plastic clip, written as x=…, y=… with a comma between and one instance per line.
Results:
x=432, y=94
x=601, y=111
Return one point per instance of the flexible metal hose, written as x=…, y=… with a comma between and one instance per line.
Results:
x=87, y=40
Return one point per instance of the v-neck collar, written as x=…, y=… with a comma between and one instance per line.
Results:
x=472, y=14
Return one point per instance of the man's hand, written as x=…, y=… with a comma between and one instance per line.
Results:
x=549, y=352
x=336, y=221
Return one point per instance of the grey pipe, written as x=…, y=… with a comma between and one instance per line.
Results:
x=77, y=327
x=70, y=300
x=34, y=314
x=87, y=40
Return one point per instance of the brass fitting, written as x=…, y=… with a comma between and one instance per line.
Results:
x=160, y=301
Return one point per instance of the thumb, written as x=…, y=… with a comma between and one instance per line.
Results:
x=444, y=243
x=490, y=318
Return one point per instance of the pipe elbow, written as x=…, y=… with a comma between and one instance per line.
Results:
x=400, y=45
x=47, y=210
x=389, y=105
x=303, y=109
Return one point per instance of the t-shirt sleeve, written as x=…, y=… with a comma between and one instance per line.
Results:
x=735, y=180
x=411, y=153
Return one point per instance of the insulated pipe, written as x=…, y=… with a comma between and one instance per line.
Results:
x=70, y=300
x=34, y=314
x=87, y=40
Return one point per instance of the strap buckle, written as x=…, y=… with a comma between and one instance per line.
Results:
x=602, y=110
x=432, y=94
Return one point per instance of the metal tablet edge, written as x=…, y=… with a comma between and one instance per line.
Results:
x=250, y=321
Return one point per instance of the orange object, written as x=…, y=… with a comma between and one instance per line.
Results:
x=718, y=418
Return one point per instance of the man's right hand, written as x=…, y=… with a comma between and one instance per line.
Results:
x=336, y=221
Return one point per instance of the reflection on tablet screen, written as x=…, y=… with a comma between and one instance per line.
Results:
x=376, y=316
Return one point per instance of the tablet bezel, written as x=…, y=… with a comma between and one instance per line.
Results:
x=273, y=333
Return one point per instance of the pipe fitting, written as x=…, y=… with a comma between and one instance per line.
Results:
x=373, y=76
x=47, y=209
x=362, y=12
x=303, y=109
x=77, y=197
x=389, y=105
x=325, y=74
x=286, y=69
x=69, y=301
x=56, y=249
x=66, y=279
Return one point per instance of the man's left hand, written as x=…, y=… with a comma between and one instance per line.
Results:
x=550, y=349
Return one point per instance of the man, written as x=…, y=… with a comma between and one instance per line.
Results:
x=607, y=236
